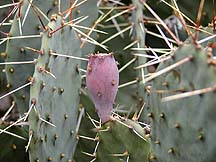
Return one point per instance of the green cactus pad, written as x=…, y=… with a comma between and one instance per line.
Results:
x=13, y=148
x=139, y=35
x=56, y=99
x=183, y=129
x=118, y=142
x=17, y=75
x=3, y=14
x=89, y=9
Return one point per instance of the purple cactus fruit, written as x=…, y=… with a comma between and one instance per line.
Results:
x=102, y=82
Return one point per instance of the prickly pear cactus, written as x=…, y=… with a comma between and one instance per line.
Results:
x=102, y=81
x=29, y=21
x=182, y=107
x=25, y=33
x=54, y=96
x=139, y=36
x=4, y=28
x=124, y=141
x=13, y=146
x=6, y=12
x=88, y=9
x=177, y=99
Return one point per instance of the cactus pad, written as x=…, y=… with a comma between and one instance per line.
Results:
x=55, y=98
x=180, y=131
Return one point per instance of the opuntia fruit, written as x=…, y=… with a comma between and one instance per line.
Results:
x=102, y=82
